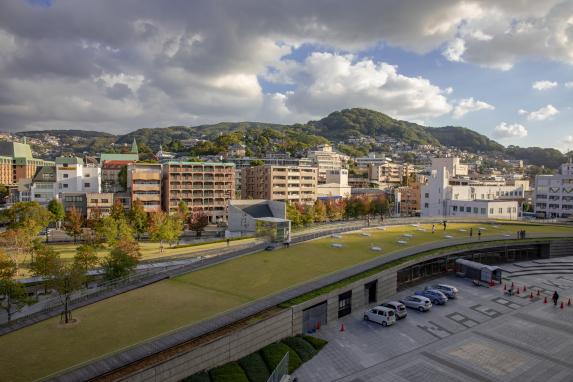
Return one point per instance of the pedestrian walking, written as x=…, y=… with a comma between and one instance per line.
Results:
x=479, y=234
x=228, y=242
x=433, y=228
x=471, y=232
x=445, y=224
x=555, y=298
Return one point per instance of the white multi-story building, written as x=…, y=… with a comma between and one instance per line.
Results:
x=336, y=185
x=73, y=176
x=449, y=192
x=553, y=194
x=325, y=158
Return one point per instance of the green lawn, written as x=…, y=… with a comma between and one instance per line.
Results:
x=142, y=314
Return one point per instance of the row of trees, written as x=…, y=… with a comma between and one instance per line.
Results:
x=335, y=210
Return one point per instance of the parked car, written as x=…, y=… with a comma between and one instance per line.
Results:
x=437, y=297
x=448, y=290
x=382, y=315
x=398, y=308
x=423, y=304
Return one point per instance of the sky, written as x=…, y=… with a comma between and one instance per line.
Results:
x=502, y=68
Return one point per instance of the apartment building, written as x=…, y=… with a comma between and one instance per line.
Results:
x=204, y=186
x=73, y=176
x=407, y=199
x=389, y=173
x=144, y=183
x=325, y=159
x=110, y=175
x=98, y=203
x=22, y=163
x=553, y=194
x=280, y=183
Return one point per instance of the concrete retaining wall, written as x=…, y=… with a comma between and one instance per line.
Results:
x=560, y=248
x=231, y=347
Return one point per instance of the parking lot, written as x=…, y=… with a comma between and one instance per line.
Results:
x=482, y=335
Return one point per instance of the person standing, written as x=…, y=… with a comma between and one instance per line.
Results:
x=555, y=298
x=471, y=232
x=433, y=228
x=479, y=234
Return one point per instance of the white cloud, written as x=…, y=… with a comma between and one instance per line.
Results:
x=327, y=82
x=544, y=85
x=541, y=114
x=468, y=105
x=455, y=50
x=569, y=85
x=569, y=139
x=504, y=130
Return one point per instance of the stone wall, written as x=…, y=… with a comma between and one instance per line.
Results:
x=231, y=347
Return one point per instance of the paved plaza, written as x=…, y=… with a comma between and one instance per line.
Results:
x=483, y=335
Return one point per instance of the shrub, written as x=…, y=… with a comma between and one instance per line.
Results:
x=255, y=368
x=273, y=353
x=317, y=343
x=304, y=349
x=199, y=377
x=229, y=372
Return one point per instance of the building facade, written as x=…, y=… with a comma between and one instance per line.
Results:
x=553, y=194
x=204, y=186
x=144, y=184
x=280, y=183
x=73, y=176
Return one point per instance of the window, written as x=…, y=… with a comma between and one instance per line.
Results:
x=65, y=185
x=468, y=209
x=500, y=210
x=491, y=210
x=104, y=201
x=455, y=208
x=65, y=175
x=425, y=205
x=475, y=210
x=427, y=195
x=483, y=211
x=508, y=210
x=86, y=175
x=86, y=185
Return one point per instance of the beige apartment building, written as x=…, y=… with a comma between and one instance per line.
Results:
x=144, y=183
x=389, y=173
x=204, y=186
x=280, y=183
x=98, y=203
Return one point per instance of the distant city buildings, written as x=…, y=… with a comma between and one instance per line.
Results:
x=280, y=183
x=553, y=194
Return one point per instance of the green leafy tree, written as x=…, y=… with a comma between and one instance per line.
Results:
x=183, y=210
x=19, y=242
x=114, y=229
x=13, y=293
x=56, y=208
x=86, y=258
x=164, y=227
x=73, y=223
x=117, y=211
x=3, y=193
x=46, y=260
x=257, y=162
x=294, y=215
x=66, y=279
x=307, y=212
x=122, y=177
x=122, y=259
x=319, y=211
x=138, y=218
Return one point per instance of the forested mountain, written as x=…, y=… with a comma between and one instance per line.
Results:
x=337, y=127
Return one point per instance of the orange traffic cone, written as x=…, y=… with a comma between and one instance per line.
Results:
x=561, y=305
x=317, y=325
x=545, y=300
x=342, y=325
x=517, y=291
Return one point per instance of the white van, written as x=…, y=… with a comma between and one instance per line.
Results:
x=380, y=314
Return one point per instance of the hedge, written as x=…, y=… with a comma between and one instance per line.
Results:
x=317, y=343
x=274, y=353
x=304, y=349
x=255, y=367
x=229, y=372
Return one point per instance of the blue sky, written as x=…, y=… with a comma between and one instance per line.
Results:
x=118, y=66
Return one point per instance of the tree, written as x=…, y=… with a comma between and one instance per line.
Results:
x=19, y=243
x=66, y=279
x=56, y=208
x=3, y=193
x=122, y=177
x=294, y=215
x=319, y=211
x=114, y=229
x=164, y=227
x=29, y=215
x=335, y=209
x=257, y=162
x=117, y=210
x=198, y=222
x=86, y=258
x=13, y=293
x=73, y=223
x=45, y=262
x=183, y=209
x=138, y=218
x=122, y=259
x=307, y=212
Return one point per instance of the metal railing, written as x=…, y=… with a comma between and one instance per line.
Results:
x=280, y=371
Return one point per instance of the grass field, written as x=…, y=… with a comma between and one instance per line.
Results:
x=139, y=315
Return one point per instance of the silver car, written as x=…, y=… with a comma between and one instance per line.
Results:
x=397, y=307
x=423, y=304
x=448, y=290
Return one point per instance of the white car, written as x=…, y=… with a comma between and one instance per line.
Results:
x=423, y=304
x=383, y=316
x=398, y=308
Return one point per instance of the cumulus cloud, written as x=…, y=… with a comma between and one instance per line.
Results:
x=544, y=85
x=541, y=114
x=468, y=105
x=504, y=130
x=115, y=66
x=327, y=81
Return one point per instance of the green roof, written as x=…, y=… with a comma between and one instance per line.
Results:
x=113, y=156
x=69, y=160
x=16, y=150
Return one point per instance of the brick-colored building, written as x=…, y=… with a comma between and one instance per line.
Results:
x=281, y=183
x=100, y=202
x=23, y=164
x=144, y=183
x=204, y=186
x=408, y=199
x=6, y=173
